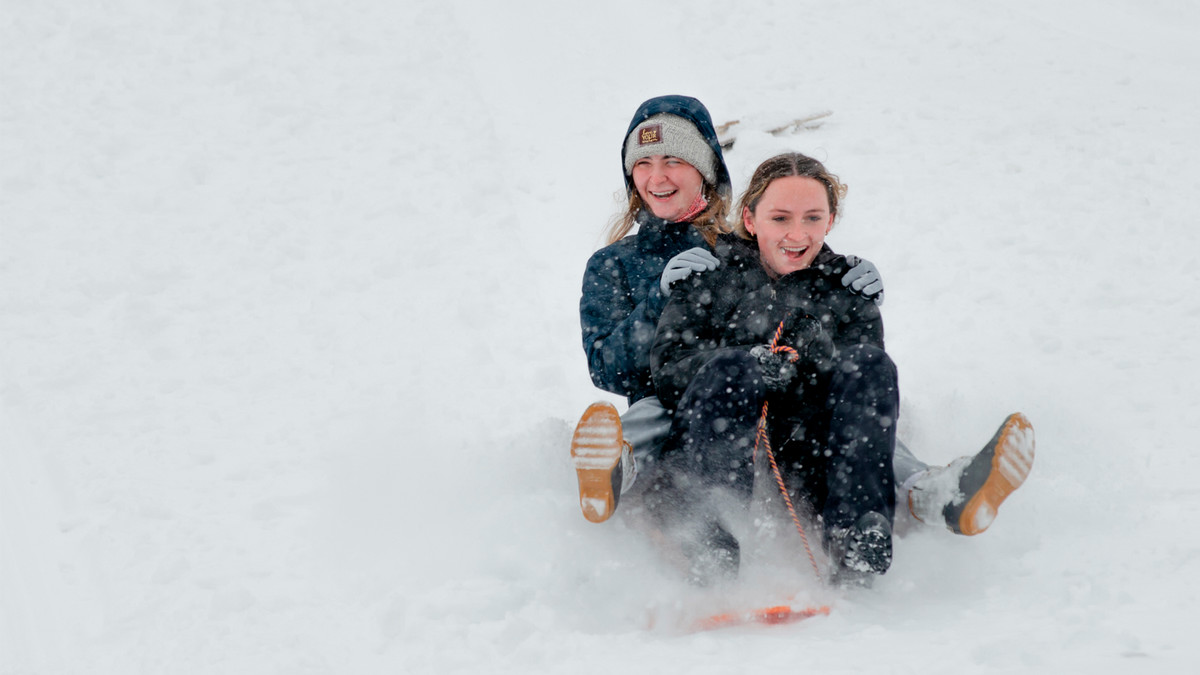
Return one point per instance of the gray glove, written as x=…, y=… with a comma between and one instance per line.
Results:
x=692, y=260
x=777, y=368
x=864, y=279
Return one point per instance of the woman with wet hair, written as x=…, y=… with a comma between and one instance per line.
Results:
x=773, y=334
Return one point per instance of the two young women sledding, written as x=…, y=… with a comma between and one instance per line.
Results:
x=728, y=343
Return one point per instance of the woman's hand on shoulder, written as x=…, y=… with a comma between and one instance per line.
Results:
x=863, y=278
x=696, y=259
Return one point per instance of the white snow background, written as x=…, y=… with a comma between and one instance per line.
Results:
x=290, y=356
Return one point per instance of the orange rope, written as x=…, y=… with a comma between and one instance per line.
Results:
x=763, y=439
x=781, y=613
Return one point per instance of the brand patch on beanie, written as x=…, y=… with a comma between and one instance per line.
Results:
x=672, y=136
x=650, y=134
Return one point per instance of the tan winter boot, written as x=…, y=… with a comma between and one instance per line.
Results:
x=966, y=494
x=603, y=461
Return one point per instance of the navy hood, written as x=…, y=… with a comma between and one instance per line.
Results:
x=689, y=109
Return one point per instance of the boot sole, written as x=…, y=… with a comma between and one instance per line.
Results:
x=870, y=545
x=993, y=475
x=596, y=450
x=872, y=552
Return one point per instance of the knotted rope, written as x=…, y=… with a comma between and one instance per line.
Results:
x=763, y=440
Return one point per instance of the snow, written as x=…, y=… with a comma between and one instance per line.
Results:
x=289, y=350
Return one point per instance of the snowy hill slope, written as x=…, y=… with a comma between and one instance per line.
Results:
x=289, y=349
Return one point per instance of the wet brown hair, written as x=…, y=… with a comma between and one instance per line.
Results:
x=783, y=166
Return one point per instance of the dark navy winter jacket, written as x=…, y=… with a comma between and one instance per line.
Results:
x=621, y=301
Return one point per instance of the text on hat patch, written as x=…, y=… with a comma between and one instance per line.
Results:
x=650, y=134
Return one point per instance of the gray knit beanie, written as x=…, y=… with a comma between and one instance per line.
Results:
x=666, y=134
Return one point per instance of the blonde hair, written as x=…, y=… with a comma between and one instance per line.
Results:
x=711, y=222
x=783, y=166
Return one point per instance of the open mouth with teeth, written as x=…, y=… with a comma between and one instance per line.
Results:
x=664, y=195
x=794, y=252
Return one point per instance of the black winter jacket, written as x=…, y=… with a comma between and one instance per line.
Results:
x=619, y=308
x=739, y=306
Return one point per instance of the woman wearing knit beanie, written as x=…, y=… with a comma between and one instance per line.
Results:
x=679, y=194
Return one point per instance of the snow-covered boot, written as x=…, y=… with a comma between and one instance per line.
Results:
x=713, y=558
x=604, y=462
x=861, y=551
x=965, y=494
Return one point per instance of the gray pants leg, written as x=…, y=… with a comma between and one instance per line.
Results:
x=646, y=425
x=905, y=465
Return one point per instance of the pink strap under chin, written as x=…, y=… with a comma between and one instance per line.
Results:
x=698, y=205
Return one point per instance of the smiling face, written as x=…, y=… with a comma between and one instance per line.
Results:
x=667, y=185
x=790, y=222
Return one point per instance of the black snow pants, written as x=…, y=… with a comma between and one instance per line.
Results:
x=839, y=457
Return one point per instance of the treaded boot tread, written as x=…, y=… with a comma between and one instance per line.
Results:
x=596, y=450
x=862, y=552
x=869, y=548
x=992, y=475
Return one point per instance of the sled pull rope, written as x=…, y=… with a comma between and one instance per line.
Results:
x=762, y=439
